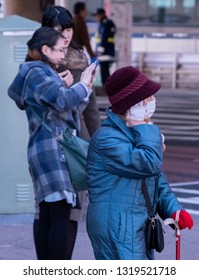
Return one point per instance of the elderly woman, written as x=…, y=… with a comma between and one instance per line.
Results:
x=125, y=152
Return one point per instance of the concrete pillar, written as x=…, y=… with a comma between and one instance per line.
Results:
x=121, y=13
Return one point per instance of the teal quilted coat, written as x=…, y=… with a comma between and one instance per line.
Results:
x=119, y=159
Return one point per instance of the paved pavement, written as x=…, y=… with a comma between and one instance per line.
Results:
x=181, y=162
x=16, y=241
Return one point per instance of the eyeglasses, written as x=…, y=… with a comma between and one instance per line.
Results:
x=63, y=50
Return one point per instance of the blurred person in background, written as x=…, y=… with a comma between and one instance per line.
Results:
x=80, y=34
x=105, y=42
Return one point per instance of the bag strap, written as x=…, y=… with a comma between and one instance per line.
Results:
x=41, y=120
x=45, y=124
x=147, y=199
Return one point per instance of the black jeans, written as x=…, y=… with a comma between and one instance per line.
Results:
x=51, y=230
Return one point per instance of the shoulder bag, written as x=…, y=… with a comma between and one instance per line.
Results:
x=75, y=150
x=153, y=230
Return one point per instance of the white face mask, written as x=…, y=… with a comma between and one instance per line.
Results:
x=150, y=108
x=136, y=113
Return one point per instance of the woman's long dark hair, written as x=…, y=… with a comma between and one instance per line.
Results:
x=42, y=36
x=55, y=16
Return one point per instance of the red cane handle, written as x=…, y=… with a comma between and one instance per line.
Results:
x=177, y=247
x=177, y=235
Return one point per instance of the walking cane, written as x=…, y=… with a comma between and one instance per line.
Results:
x=171, y=221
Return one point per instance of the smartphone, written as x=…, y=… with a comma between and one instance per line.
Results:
x=96, y=61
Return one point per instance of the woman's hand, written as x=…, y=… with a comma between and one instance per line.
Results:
x=88, y=75
x=66, y=77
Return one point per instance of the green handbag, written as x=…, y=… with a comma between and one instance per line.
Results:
x=75, y=150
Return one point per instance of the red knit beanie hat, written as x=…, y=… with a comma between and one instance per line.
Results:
x=128, y=86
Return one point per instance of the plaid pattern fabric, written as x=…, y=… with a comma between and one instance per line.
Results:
x=38, y=86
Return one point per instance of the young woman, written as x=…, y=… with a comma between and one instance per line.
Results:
x=76, y=61
x=38, y=87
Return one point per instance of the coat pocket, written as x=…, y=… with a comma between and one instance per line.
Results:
x=125, y=227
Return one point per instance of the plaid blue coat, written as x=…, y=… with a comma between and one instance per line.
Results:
x=38, y=86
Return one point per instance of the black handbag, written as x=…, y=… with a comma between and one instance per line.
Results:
x=154, y=232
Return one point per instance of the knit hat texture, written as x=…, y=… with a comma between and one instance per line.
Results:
x=128, y=86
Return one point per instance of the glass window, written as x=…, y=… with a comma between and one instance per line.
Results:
x=166, y=12
x=162, y=3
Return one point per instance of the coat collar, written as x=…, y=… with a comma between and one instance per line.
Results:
x=114, y=120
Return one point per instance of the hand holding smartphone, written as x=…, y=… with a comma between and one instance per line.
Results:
x=96, y=62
